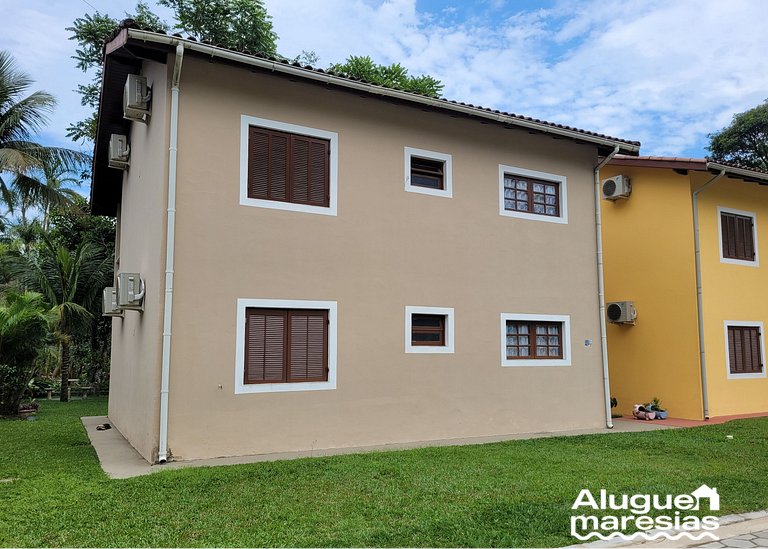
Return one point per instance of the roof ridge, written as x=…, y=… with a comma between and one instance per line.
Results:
x=132, y=24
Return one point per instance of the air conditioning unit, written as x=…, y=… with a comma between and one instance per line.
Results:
x=621, y=312
x=136, y=98
x=618, y=186
x=119, y=151
x=109, y=303
x=130, y=291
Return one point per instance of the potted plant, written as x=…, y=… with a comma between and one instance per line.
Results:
x=658, y=407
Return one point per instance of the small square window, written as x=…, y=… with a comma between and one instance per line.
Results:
x=744, y=349
x=738, y=240
x=428, y=172
x=428, y=330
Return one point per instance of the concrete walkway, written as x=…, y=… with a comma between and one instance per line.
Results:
x=119, y=459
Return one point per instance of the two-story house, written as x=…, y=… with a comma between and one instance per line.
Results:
x=328, y=263
x=698, y=342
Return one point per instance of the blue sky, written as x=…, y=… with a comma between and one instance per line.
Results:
x=665, y=73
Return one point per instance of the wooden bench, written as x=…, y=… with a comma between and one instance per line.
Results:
x=74, y=384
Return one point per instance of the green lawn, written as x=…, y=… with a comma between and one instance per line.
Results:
x=504, y=494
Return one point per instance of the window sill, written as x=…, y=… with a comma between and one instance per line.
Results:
x=527, y=363
x=288, y=206
x=252, y=388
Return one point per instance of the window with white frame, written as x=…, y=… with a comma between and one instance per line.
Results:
x=428, y=172
x=737, y=230
x=529, y=194
x=288, y=167
x=535, y=340
x=429, y=329
x=285, y=345
x=744, y=349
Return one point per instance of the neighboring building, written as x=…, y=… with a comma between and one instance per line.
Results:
x=650, y=259
x=351, y=265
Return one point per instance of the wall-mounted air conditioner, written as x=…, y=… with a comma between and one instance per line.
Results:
x=119, y=151
x=109, y=303
x=130, y=291
x=136, y=98
x=621, y=312
x=616, y=187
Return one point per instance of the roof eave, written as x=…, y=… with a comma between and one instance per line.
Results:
x=604, y=143
x=741, y=173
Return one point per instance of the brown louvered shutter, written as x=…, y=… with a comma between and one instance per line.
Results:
x=308, y=360
x=258, y=164
x=265, y=345
x=268, y=164
x=738, y=236
x=288, y=167
x=309, y=169
x=744, y=355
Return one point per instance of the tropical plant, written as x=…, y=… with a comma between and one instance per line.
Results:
x=21, y=118
x=392, y=76
x=745, y=141
x=70, y=283
x=24, y=331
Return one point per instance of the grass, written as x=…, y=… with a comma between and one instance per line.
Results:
x=515, y=493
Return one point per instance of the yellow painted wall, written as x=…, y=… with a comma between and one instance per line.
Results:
x=732, y=292
x=649, y=259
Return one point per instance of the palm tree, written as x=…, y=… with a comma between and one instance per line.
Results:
x=21, y=118
x=54, y=177
x=24, y=332
x=71, y=283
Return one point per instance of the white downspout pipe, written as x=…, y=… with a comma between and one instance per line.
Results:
x=699, y=293
x=162, y=455
x=601, y=288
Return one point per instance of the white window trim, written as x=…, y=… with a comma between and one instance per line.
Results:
x=721, y=210
x=429, y=349
x=566, y=321
x=333, y=169
x=248, y=388
x=561, y=179
x=447, y=159
x=748, y=323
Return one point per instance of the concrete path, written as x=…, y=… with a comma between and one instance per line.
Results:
x=119, y=460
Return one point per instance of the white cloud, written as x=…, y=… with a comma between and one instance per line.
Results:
x=666, y=73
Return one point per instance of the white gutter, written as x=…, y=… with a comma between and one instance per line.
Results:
x=326, y=78
x=601, y=288
x=699, y=294
x=162, y=455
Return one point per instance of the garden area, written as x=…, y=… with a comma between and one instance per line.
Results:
x=517, y=493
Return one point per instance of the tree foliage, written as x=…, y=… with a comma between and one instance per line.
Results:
x=71, y=282
x=22, y=116
x=24, y=322
x=90, y=32
x=392, y=76
x=745, y=141
x=234, y=24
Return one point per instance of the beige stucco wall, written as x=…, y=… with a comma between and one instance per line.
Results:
x=136, y=338
x=385, y=250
